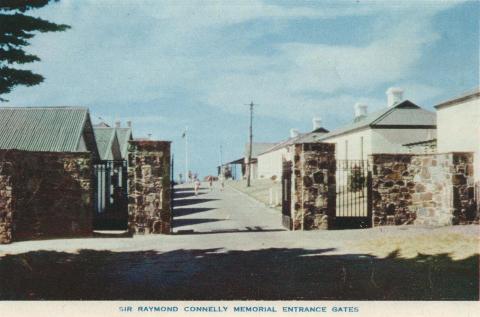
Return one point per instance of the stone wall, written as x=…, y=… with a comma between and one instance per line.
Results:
x=432, y=189
x=45, y=195
x=149, y=209
x=313, y=186
x=6, y=201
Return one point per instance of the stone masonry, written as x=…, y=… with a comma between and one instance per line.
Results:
x=433, y=189
x=313, y=186
x=6, y=201
x=45, y=195
x=149, y=209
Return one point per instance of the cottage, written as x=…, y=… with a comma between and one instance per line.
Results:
x=385, y=131
x=46, y=158
x=230, y=167
x=113, y=142
x=111, y=176
x=124, y=136
x=47, y=129
x=107, y=143
x=61, y=177
x=257, y=148
x=270, y=161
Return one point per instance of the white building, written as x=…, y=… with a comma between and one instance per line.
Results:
x=458, y=126
x=385, y=131
x=270, y=161
x=257, y=148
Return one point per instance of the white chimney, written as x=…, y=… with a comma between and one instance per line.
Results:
x=117, y=124
x=394, y=96
x=129, y=124
x=360, y=110
x=317, y=123
x=294, y=133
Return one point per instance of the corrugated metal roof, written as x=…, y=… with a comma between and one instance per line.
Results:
x=408, y=117
x=301, y=138
x=124, y=135
x=474, y=93
x=257, y=148
x=310, y=137
x=47, y=129
x=104, y=138
x=404, y=114
x=282, y=144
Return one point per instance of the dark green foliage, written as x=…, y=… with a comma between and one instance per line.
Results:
x=16, y=29
x=356, y=180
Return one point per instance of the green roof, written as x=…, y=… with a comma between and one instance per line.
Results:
x=47, y=129
x=404, y=114
x=106, y=139
x=124, y=135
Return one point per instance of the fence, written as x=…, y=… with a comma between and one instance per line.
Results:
x=111, y=197
x=353, y=194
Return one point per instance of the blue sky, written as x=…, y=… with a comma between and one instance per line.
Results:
x=170, y=64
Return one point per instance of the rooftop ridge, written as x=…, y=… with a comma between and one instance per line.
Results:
x=45, y=107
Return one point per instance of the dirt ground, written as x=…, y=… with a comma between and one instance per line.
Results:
x=235, y=248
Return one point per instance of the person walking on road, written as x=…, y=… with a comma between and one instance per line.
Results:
x=196, y=186
x=210, y=183
x=222, y=182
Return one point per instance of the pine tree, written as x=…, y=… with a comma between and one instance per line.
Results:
x=16, y=29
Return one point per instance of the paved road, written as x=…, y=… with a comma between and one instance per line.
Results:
x=222, y=211
x=227, y=246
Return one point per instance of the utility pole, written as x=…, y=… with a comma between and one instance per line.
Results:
x=250, y=145
x=221, y=155
x=185, y=136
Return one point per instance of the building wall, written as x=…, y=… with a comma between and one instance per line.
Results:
x=270, y=164
x=149, y=207
x=392, y=140
x=356, y=145
x=459, y=130
x=253, y=166
x=432, y=189
x=45, y=195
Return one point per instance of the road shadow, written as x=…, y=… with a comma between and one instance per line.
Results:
x=180, y=212
x=193, y=201
x=211, y=274
x=188, y=189
x=192, y=221
x=246, y=230
x=185, y=194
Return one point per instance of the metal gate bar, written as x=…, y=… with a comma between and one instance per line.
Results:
x=287, y=195
x=353, y=189
x=111, y=198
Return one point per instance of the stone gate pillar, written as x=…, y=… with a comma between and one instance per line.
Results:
x=149, y=188
x=313, y=186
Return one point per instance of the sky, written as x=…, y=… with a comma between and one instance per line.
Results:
x=168, y=65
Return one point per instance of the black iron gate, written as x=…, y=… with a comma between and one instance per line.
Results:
x=287, y=195
x=354, y=194
x=111, y=197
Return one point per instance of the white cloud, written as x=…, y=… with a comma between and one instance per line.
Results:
x=303, y=79
x=132, y=52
